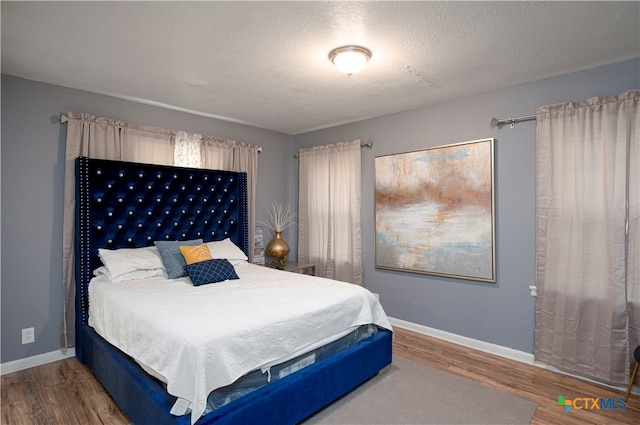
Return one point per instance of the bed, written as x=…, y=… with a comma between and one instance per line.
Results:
x=129, y=206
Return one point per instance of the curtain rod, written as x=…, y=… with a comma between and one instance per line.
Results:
x=368, y=144
x=511, y=121
x=65, y=118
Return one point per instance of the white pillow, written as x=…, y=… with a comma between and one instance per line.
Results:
x=134, y=275
x=228, y=250
x=127, y=260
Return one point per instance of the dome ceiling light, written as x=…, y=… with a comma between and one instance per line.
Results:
x=350, y=59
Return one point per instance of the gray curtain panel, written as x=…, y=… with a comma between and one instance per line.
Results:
x=587, y=239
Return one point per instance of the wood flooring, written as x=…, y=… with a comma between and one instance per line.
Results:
x=66, y=393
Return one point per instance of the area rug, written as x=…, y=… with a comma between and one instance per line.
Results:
x=410, y=393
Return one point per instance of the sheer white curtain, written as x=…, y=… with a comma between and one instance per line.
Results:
x=104, y=138
x=588, y=191
x=187, y=150
x=329, y=210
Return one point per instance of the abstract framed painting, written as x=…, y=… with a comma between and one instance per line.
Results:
x=435, y=211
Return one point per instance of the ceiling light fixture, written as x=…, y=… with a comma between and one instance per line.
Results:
x=350, y=59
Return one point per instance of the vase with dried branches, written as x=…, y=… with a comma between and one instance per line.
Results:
x=280, y=218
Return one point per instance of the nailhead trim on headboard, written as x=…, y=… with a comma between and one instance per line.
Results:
x=128, y=205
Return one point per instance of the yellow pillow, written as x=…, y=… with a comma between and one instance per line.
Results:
x=195, y=254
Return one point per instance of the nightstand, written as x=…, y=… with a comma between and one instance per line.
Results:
x=295, y=267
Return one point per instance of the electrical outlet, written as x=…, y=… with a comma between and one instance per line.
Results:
x=28, y=336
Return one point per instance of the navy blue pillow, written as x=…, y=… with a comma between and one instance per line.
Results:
x=210, y=271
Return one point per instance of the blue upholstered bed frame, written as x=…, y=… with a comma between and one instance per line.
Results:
x=127, y=205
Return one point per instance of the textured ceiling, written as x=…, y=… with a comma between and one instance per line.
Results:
x=266, y=63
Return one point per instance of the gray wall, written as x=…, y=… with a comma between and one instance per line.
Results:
x=500, y=313
x=33, y=147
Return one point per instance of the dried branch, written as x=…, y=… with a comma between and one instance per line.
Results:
x=280, y=217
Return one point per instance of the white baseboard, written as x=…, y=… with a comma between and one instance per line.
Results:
x=476, y=344
x=495, y=349
x=37, y=360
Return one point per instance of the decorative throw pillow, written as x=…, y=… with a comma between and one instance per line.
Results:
x=172, y=258
x=195, y=254
x=210, y=271
x=228, y=250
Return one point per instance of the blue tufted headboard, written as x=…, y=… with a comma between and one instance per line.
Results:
x=130, y=205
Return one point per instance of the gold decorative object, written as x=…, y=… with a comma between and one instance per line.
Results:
x=278, y=248
x=280, y=218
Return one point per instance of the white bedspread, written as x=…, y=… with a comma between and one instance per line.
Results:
x=206, y=337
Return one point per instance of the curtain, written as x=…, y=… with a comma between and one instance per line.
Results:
x=329, y=210
x=100, y=138
x=587, y=239
x=230, y=155
x=104, y=138
x=187, y=150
